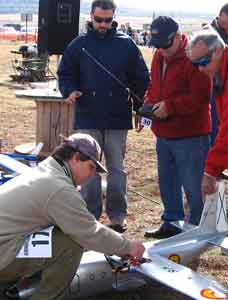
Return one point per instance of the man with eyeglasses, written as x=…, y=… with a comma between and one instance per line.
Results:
x=180, y=97
x=89, y=74
x=47, y=196
x=208, y=51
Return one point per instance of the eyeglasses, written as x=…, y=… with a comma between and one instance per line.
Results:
x=101, y=20
x=201, y=62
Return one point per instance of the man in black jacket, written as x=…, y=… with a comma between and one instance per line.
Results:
x=220, y=23
x=103, y=107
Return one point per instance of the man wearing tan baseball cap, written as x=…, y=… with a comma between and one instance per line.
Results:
x=47, y=196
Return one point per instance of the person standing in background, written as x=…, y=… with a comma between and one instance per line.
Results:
x=220, y=24
x=180, y=96
x=103, y=108
x=209, y=53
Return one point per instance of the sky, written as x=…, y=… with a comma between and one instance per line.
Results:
x=201, y=6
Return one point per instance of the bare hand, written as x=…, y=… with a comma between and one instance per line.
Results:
x=138, y=126
x=137, y=249
x=160, y=110
x=209, y=184
x=73, y=97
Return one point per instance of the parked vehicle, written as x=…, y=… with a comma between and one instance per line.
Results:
x=17, y=27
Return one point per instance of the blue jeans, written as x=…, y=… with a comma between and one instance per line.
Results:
x=113, y=145
x=181, y=164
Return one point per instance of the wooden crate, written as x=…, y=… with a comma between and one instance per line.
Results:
x=53, y=118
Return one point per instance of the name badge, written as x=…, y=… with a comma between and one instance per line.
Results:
x=146, y=123
x=37, y=245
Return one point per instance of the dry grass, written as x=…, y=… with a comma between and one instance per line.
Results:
x=17, y=126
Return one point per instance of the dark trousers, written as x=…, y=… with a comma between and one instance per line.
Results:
x=214, y=120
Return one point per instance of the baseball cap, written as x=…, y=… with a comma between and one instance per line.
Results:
x=87, y=145
x=163, y=30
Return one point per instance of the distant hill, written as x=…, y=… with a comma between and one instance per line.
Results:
x=31, y=6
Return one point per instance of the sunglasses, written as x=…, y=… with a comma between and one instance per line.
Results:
x=168, y=45
x=201, y=62
x=103, y=20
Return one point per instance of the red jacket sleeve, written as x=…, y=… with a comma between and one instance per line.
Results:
x=217, y=160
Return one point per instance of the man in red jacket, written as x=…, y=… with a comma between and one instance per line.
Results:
x=180, y=95
x=208, y=51
x=220, y=24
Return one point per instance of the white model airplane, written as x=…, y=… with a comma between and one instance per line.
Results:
x=164, y=261
x=10, y=163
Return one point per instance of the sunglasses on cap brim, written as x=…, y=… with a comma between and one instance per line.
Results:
x=103, y=20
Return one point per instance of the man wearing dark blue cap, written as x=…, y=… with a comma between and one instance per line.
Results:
x=180, y=97
x=163, y=31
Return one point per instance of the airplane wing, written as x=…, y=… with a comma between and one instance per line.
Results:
x=182, y=279
x=220, y=242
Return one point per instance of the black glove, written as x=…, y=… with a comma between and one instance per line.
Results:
x=147, y=111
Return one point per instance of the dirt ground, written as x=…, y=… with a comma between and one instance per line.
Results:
x=17, y=126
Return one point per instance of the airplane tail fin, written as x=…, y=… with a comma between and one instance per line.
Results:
x=214, y=215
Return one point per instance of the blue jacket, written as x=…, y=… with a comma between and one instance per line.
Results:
x=104, y=103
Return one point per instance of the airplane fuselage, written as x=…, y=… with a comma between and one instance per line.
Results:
x=95, y=276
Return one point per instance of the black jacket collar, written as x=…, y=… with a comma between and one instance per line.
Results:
x=220, y=30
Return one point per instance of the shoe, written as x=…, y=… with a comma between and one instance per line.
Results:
x=121, y=228
x=162, y=232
